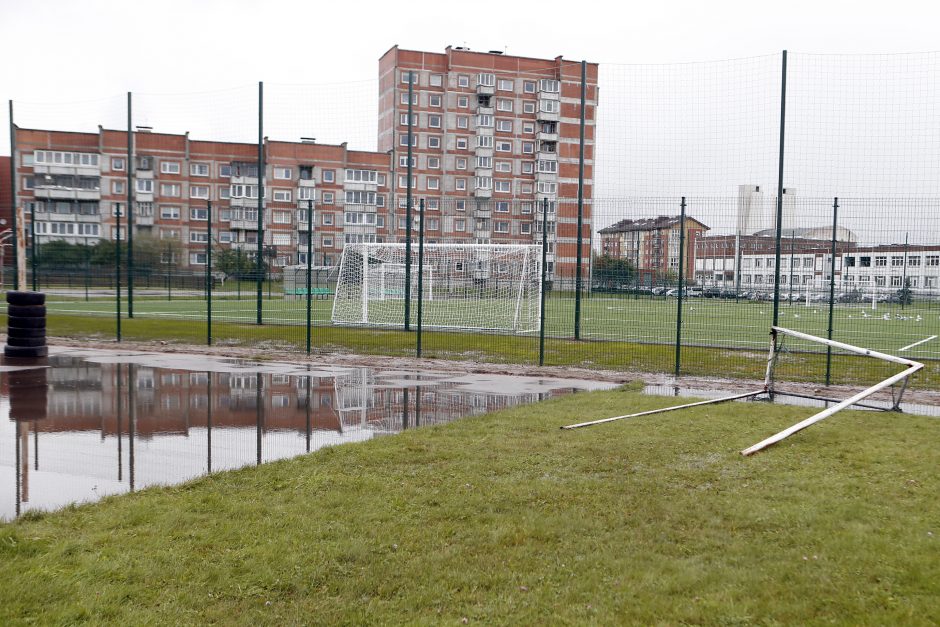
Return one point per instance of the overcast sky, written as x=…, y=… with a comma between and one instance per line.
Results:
x=89, y=53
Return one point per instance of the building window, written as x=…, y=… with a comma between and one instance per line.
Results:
x=484, y=182
x=170, y=213
x=225, y=171
x=528, y=107
x=549, y=106
x=503, y=146
x=460, y=184
x=145, y=186
x=485, y=162
x=434, y=121
x=484, y=141
x=913, y=261
x=199, y=169
x=528, y=167
x=117, y=187
x=201, y=214
x=433, y=182
x=486, y=79
x=461, y=163
x=504, y=104
x=403, y=181
x=504, y=126
x=169, y=167
x=460, y=225
x=326, y=219
x=932, y=260
x=434, y=163
x=356, y=197
x=463, y=102
x=329, y=176
x=525, y=228
x=437, y=80
x=434, y=100
x=463, y=121
x=328, y=198
x=463, y=80
x=528, y=147
x=404, y=99
x=409, y=76
x=484, y=120
x=196, y=259
x=434, y=141
x=403, y=140
x=501, y=227
x=280, y=217
x=528, y=128
x=502, y=206
x=461, y=143
x=528, y=87
x=549, y=85
x=362, y=176
x=170, y=189
x=199, y=191
x=117, y=163
x=198, y=237
x=460, y=205
x=503, y=186
x=284, y=174
x=403, y=119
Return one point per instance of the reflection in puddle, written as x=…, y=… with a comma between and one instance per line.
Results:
x=95, y=423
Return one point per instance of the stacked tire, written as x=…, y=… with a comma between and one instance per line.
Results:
x=26, y=325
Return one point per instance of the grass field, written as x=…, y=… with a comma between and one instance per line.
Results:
x=706, y=322
x=506, y=519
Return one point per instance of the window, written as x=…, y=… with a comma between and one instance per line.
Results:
x=169, y=167
x=244, y=191
x=504, y=126
x=408, y=76
x=326, y=219
x=225, y=171
x=484, y=182
x=169, y=189
x=865, y=262
x=528, y=147
x=547, y=187
x=403, y=181
x=306, y=193
x=897, y=260
x=528, y=128
x=460, y=184
x=463, y=80
x=501, y=227
x=117, y=187
x=434, y=100
x=434, y=182
x=434, y=163
x=285, y=174
x=504, y=166
x=195, y=259
x=199, y=191
x=486, y=80
x=282, y=195
x=503, y=146
x=502, y=206
x=528, y=167
x=403, y=140
x=913, y=261
x=327, y=242
x=549, y=106
x=404, y=98
x=280, y=217
x=548, y=166
x=528, y=87
x=199, y=169
x=198, y=237
x=505, y=84
x=226, y=237
x=504, y=104
x=328, y=198
x=463, y=102
x=361, y=176
x=528, y=107
x=170, y=213
x=353, y=217
x=461, y=163
x=356, y=197
x=461, y=143
x=551, y=86
x=117, y=163
x=434, y=121
x=460, y=205
x=329, y=176
x=849, y=262
x=463, y=121
x=484, y=141
x=881, y=261
x=434, y=141
x=201, y=214
x=525, y=228
x=460, y=225
x=403, y=161
x=403, y=119
x=437, y=80
x=484, y=162
x=526, y=207
x=932, y=260
x=503, y=186
x=380, y=200
x=145, y=186
x=484, y=120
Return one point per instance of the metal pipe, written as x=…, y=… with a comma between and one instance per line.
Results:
x=259, y=262
x=130, y=211
x=779, y=225
x=408, y=216
x=577, y=281
x=665, y=409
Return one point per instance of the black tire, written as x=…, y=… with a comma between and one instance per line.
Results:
x=26, y=341
x=25, y=352
x=26, y=323
x=26, y=311
x=26, y=298
x=23, y=333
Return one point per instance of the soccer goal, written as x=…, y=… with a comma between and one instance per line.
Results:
x=491, y=287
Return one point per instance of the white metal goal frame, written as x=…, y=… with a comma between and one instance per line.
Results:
x=769, y=389
x=518, y=285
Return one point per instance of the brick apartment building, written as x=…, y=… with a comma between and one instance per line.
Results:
x=493, y=135
x=652, y=244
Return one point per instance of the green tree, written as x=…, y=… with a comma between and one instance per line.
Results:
x=613, y=272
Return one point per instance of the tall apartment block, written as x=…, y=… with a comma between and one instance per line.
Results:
x=493, y=136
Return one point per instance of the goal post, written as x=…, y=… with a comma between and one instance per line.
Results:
x=487, y=287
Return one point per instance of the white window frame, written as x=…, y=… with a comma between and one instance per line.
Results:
x=169, y=167
x=199, y=169
x=196, y=191
x=281, y=195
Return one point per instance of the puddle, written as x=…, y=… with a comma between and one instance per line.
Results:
x=869, y=405
x=92, y=423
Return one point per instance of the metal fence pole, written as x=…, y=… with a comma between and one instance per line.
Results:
x=32, y=241
x=779, y=225
x=681, y=286
x=420, y=272
x=209, y=275
x=408, y=216
x=130, y=211
x=309, y=269
x=544, y=274
x=259, y=262
x=832, y=286
x=579, y=260
x=14, y=212
x=117, y=271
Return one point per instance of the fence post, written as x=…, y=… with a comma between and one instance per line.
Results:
x=408, y=216
x=13, y=208
x=130, y=211
x=32, y=241
x=87, y=268
x=309, y=268
x=420, y=272
x=832, y=285
x=544, y=274
x=579, y=260
x=117, y=271
x=209, y=274
x=259, y=262
x=779, y=225
x=681, y=286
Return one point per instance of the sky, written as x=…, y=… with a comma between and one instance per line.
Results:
x=673, y=114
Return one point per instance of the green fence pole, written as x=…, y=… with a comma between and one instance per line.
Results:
x=259, y=262
x=87, y=268
x=117, y=271
x=130, y=212
x=832, y=286
x=13, y=213
x=32, y=240
x=309, y=269
x=579, y=260
x=779, y=225
x=544, y=274
x=408, y=215
x=681, y=287
x=420, y=272
x=209, y=275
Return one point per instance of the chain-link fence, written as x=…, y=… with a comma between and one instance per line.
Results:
x=714, y=200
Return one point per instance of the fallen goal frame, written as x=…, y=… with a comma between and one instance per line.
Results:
x=770, y=390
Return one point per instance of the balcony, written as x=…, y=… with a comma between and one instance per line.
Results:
x=547, y=137
x=545, y=116
x=487, y=90
x=77, y=170
x=546, y=177
x=244, y=225
x=486, y=110
x=243, y=202
x=63, y=193
x=483, y=193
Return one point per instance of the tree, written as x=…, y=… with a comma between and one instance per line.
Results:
x=612, y=273
x=236, y=263
x=904, y=294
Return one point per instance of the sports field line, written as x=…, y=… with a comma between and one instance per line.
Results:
x=932, y=337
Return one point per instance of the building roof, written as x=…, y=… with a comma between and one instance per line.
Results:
x=647, y=224
x=811, y=232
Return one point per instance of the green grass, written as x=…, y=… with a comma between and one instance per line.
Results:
x=706, y=322
x=506, y=519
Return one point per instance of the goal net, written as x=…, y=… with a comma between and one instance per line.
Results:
x=494, y=287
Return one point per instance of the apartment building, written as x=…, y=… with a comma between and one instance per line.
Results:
x=74, y=184
x=653, y=245
x=493, y=137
